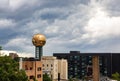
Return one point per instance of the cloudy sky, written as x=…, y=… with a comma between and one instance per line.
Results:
x=82, y=25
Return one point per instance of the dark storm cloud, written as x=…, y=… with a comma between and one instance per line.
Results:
x=6, y=34
x=27, y=9
x=67, y=24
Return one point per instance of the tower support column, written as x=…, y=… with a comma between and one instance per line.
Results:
x=38, y=52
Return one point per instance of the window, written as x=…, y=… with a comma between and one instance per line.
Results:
x=90, y=56
x=30, y=68
x=39, y=68
x=75, y=57
x=83, y=63
x=89, y=71
x=83, y=71
x=75, y=73
x=31, y=77
x=51, y=65
x=51, y=76
x=39, y=76
x=26, y=68
x=47, y=65
x=90, y=61
x=43, y=65
x=71, y=57
x=76, y=68
x=71, y=68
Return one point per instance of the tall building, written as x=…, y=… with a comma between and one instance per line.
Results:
x=53, y=67
x=80, y=64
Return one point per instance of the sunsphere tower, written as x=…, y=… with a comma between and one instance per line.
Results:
x=38, y=41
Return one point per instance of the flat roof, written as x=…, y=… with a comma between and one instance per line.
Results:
x=73, y=53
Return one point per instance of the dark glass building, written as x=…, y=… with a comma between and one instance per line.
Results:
x=80, y=64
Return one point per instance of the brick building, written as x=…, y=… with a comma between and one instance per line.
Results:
x=33, y=69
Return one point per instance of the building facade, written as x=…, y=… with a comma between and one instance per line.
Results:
x=80, y=64
x=63, y=69
x=33, y=69
x=50, y=66
x=53, y=67
x=13, y=55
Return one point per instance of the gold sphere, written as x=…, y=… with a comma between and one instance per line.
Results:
x=39, y=40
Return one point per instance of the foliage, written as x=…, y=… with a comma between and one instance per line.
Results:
x=116, y=76
x=0, y=47
x=74, y=79
x=34, y=79
x=46, y=77
x=0, y=50
x=71, y=79
x=9, y=70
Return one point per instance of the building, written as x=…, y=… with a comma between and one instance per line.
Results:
x=63, y=69
x=13, y=55
x=33, y=69
x=8, y=53
x=80, y=64
x=53, y=67
x=33, y=66
x=50, y=66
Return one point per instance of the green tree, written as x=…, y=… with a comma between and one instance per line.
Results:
x=46, y=77
x=34, y=79
x=0, y=47
x=9, y=70
x=0, y=50
x=73, y=79
x=116, y=76
x=70, y=79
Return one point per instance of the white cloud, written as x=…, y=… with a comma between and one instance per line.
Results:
x=24, y=54
x=101, y=25
x=12, y=5
x=6, y=52
x=16, y=42
x=17, y=4
x=21, y=44
x=52, y=30
x=4, y=4
x=6, y=23
x=96, y=22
